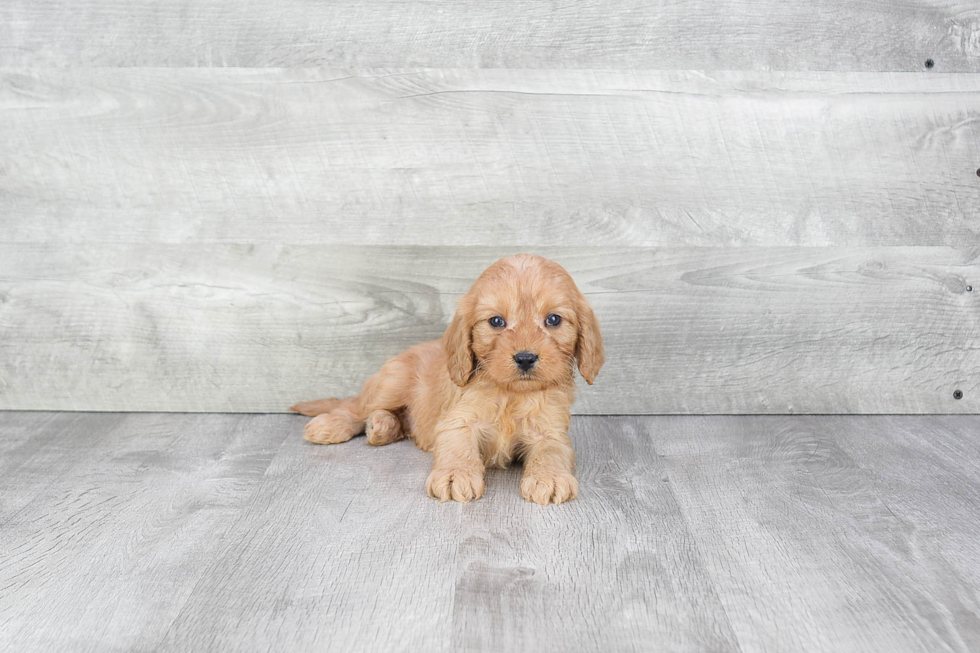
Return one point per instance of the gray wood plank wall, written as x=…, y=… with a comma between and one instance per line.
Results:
x=696, y=34
x=217, y=327
x=773, y=206
x=471, y=157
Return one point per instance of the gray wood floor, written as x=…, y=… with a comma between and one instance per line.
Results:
x=751, y=533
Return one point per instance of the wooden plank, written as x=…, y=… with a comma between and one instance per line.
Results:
x=612, y=569
x=36, y=447
x=730, y=533
x=688, y=330
x=928, y=468
x=340, y=550
x=801, y=541
x=20, y=438
x=109, y=547
x=732, y=34
x=484, y=157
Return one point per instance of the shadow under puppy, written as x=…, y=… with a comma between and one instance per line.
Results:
x=498, y=386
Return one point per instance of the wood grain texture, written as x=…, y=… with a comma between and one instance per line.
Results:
x=702, y=34
x=796, y=533
x=340, y=550
x=540, y=580
x=730, y=533
x=930, y=479
x=484, y=157
x=41, y=456
x=688, y=330
x=119, y=513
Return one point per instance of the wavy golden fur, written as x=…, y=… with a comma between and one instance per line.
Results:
x=497, y=387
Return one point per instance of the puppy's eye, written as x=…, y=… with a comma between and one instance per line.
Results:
x=553, y=320
x=497, y=322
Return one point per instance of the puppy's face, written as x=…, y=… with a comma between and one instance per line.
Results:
x=522, y=326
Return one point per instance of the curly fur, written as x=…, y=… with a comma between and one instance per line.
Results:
x=465, y=399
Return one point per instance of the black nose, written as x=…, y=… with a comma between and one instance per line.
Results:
x=525, y=360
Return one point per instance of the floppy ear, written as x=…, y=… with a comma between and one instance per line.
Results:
x=588, y=347
x=458, y=343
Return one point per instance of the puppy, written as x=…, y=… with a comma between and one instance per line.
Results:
x=498, y=387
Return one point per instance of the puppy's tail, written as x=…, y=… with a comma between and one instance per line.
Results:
x=316, y=407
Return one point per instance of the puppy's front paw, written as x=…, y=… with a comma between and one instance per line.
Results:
x=543, y=487
x=459, y=484
x=330, y=428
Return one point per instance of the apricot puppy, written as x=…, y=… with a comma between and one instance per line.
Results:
x=498, y=386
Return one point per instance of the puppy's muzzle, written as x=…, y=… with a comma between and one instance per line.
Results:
x=525, y=360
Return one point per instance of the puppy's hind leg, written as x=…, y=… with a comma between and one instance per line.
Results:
x=382, y=393
x=339, y=425
x=383, y=427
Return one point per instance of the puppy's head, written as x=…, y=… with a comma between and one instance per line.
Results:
x=521, y=326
